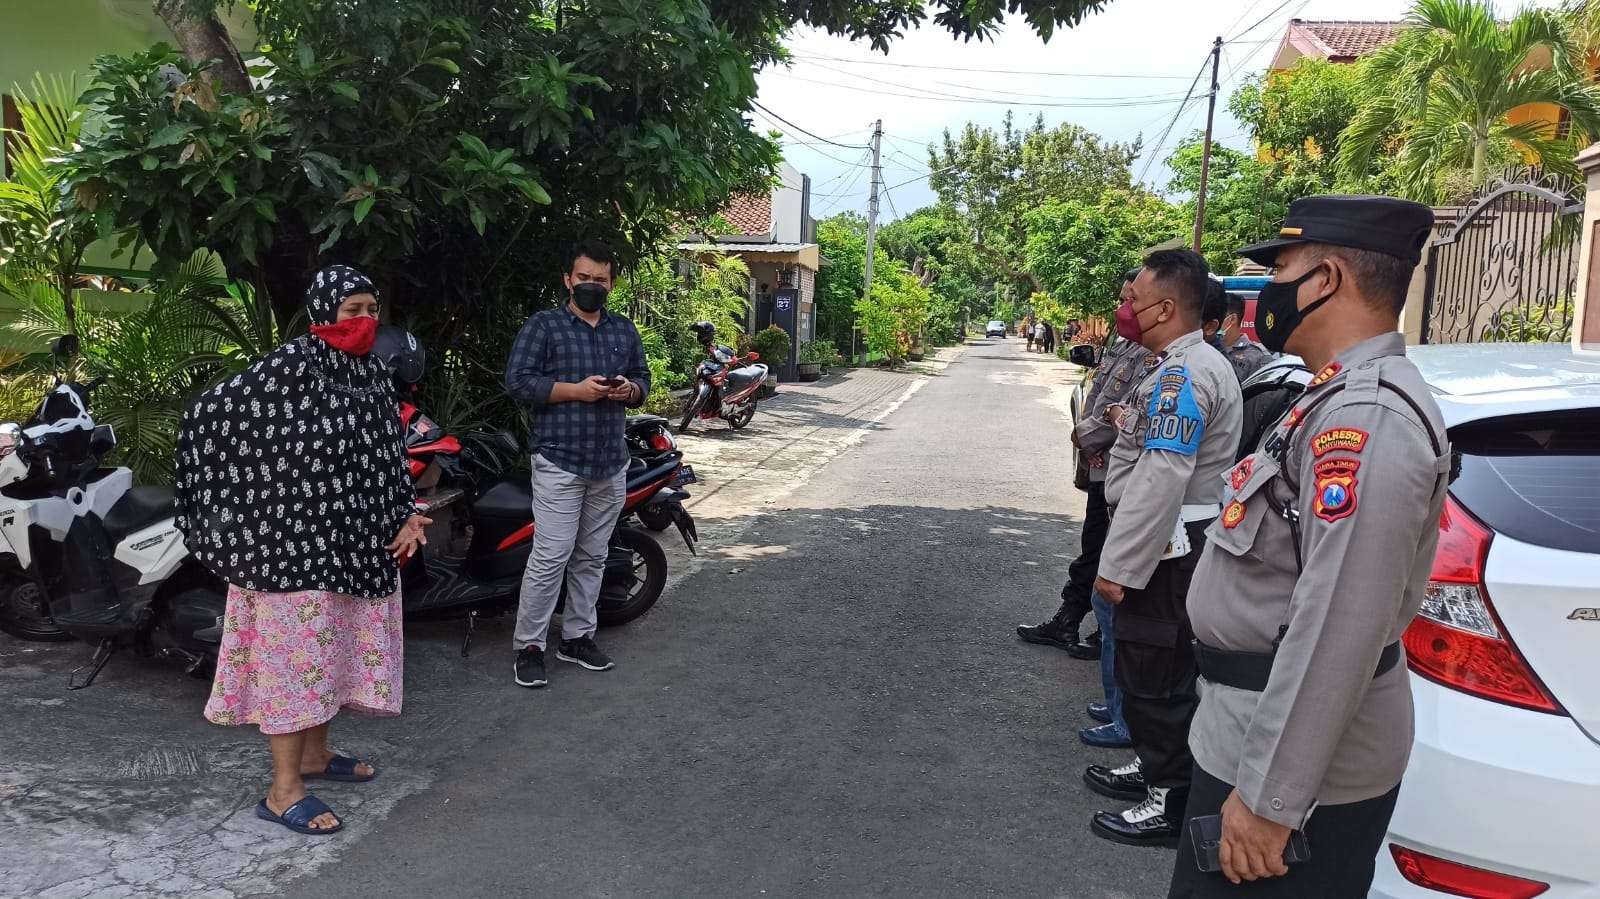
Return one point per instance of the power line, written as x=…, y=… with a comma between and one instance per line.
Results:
x=890, y=197
x=757, y=104
x=969, y=87
x=1170, y=125
x=812, y=147
x=1259, y=22
x=912, y=65
x=1114, y=104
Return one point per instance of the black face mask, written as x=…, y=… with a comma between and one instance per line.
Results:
x=589, y=296
x=1278, y=312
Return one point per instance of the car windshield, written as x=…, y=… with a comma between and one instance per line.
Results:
x=1532, y=477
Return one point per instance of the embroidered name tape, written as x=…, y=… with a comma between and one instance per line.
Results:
x=1348, y=439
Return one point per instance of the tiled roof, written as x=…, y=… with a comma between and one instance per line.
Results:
x=1345, y=39
x=750, y=214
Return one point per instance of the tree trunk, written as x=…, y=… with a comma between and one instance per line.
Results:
x=1009, y=268
x=1480, y=160
x=203, y=38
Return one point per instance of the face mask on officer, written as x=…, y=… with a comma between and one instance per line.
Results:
x=1130, y=323
x=1278, y=309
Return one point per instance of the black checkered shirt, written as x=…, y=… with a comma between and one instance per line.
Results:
x=584, y=439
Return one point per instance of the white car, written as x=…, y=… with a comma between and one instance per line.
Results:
x=996, y=328
x=1502, y=795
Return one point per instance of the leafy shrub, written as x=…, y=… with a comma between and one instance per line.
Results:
x=773, y=344
x=821, y=352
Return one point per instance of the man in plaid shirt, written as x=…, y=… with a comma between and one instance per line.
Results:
x=578, y=368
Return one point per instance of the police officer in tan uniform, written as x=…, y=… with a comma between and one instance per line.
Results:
x=1245, y=354
x=1164, y=482
x=1313, y=571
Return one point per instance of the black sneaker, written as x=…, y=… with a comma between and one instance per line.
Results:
x=530, y=667
x=583, y=651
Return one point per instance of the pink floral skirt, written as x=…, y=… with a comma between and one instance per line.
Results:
x=291, y=661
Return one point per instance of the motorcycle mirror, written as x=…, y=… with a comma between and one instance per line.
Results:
x=103, y=441
x=1082, y=354
x=65, y=347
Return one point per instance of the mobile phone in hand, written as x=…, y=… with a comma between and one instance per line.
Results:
x=615, y=381
x=1206, y=835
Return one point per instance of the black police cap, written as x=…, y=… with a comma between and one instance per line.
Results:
x=1382, y=224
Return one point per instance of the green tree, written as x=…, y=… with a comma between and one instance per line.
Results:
x=1448, y=83
x=896, y=311
x=1080, y=250
x=40, y=248
x=992, y=179
x=1243, y=199
x=842, y=240
x=934, y=245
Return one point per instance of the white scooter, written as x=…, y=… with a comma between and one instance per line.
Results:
x=84, y=554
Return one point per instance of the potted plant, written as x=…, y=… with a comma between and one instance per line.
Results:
x=773, y=344
x=814, y=355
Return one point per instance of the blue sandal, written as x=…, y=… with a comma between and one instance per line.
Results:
x=342, y=768
x=298, y=817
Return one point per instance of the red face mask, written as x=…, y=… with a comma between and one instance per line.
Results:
x=353, y=335
x=1128, y=322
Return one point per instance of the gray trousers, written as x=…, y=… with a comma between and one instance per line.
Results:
x=573, y=519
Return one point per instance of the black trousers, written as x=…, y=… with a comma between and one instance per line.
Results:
x=1344, y=841
x=1080, y=574
x=1156, y=671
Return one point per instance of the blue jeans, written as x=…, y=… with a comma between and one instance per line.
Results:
x=1105, y=617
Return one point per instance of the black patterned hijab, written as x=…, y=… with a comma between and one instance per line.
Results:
x=292, y=474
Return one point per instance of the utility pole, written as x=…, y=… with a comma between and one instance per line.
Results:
x=1205, y=158
x=872, y=207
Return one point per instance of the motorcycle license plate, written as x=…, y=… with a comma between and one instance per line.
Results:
x=684, y=476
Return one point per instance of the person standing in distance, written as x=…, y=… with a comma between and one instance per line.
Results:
x=1164, y=482
x=1245, y=354
x=578, y=368
x=1316, y=567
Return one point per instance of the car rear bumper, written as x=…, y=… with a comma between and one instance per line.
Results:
x=1500, y=788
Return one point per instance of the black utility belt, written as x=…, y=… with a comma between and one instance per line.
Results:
x=1251, y=670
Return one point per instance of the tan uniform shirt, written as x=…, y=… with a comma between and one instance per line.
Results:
x=1246, y=356
x=1370, y=489
x=1174, y=443
x=1118, y=377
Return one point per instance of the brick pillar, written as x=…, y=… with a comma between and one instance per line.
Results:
x=1586, y=308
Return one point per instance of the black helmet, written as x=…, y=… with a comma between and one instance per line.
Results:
x=705, y=332
x=401, y=352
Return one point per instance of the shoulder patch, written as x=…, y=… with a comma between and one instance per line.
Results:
x=1336, y=489
x=1233, y=515
x=1325, y=375
x=1241, y=473
x=1175, y=424
x=1349, y=439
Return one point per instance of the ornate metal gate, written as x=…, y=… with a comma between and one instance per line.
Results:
x=1507, y=270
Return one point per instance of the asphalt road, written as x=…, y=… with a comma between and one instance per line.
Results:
x=836, y=704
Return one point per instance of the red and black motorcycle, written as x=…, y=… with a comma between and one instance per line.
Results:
x=726, y=385
x=483, y=526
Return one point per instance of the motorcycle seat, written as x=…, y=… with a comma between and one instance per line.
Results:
x=635, y=421
x=139, y=508
x=510, y=498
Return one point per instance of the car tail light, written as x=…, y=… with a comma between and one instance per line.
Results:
x=1461, y=880
x=1456, y=638
x=661, y=440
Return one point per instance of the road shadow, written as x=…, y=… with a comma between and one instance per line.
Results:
x=826, y=705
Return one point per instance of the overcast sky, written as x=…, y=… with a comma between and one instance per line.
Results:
x=1122, y=73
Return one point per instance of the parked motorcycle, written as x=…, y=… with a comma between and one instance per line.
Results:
x=726, y=384
x=483, y=528
x=84, y=554
x=648, y=436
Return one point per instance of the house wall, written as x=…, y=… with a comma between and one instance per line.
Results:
x=788, y=206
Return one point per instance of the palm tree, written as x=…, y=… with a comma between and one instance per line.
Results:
x=39, y=251
x=1457, y=70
